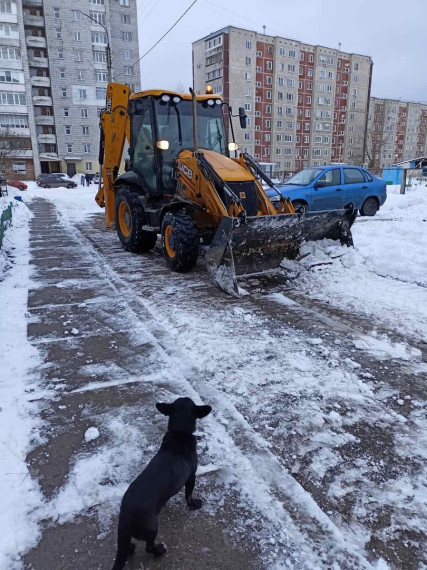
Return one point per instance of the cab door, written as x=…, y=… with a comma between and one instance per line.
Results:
x=327, y=191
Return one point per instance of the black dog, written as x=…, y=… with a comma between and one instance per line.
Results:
x=173, y=466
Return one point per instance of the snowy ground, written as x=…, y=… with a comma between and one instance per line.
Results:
x=317, y=385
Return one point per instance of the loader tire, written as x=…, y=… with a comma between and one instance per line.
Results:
x=180, y=241
x=130, y=218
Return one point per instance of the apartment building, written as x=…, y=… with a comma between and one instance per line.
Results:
x=306, y=105
x=62, y=73
x=397, y=131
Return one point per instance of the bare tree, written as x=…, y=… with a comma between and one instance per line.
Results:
x=375, y=144
x=11, y=147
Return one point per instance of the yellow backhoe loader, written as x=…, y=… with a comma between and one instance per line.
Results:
x=181, y=182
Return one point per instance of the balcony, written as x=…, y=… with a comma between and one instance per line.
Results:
x=37, y=21
x=46, y=139
x=38, y=62
x=37, y=81
x=35, y=42
x=44, y=119
x=42, y=100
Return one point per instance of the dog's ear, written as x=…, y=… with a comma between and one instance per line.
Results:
x=164, y=409
x=202, y=411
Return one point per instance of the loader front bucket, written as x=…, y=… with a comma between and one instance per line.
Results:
x=254, y=245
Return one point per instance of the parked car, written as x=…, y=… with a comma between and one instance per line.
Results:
x=334, y=187
x=17, y=184
x=95, y=179
x=55, y=181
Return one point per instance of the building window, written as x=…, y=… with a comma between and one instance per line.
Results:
x=124, y=2
x=62, y=73
x=9, y=77
x=58, y=35
x=56, y=12
x=290, y=82
x=100, y=38
x=77, y=37
x=288, y=138
x=247, y=106
x=291, y=68
x=268, y=80
x=83, y=113
x=129, y=71
x=124, y=18
x=10, y=53
x=99, y=57
x=66, y=112
x=127, y=36
x=127, y=54
x=292, y=53
x=270, y=49
x=278, y=151
x=76, y=15
x=247, y=136
x=60, y=54
x=101, y=76
x=64, y=92
x=248, y=60
x=279, y=138
x=248, y=45
x=269, y=65
x=85, y=131
x=88, y=166
x=356, y=67
x=80, y=75
x=79, y=55
x=99, y=17
x=86, y=148
x=82, y=93
x=101, y=93
x=67, y=129
x=69, y=148
x=248, y=76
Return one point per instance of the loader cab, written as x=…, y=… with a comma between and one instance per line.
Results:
x=161, y=126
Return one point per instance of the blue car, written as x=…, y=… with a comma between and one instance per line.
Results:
x=332, y=188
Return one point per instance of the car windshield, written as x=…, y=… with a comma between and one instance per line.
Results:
x=304, y=177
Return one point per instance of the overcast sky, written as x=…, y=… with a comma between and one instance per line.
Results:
x=392, y=32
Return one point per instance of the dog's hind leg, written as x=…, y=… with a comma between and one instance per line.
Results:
x=192, y=503
x=124, y=547
x=150, y=534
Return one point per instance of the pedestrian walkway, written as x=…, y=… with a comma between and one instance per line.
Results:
x=102, y=363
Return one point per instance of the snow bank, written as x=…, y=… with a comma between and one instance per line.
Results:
x=384, y=277
x=19, y=421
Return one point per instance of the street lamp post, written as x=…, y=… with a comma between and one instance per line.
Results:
x=108, y=50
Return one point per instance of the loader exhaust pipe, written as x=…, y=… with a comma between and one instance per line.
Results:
x=194, y=102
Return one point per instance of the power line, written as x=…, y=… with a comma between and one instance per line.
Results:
x=158, y=41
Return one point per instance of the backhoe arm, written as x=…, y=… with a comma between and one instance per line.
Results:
x=115, y=130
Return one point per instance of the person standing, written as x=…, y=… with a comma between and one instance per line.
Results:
x=82, y=180
x=87, y=178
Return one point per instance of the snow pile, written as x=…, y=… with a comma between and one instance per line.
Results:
x=76, y=202
x=19, y=422
x=384, y=277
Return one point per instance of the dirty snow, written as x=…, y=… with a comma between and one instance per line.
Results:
x=287, y=406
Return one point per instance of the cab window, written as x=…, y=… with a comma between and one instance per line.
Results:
x=353, y=176
x=331, y=177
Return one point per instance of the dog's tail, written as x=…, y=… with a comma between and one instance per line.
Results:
x=124, y=546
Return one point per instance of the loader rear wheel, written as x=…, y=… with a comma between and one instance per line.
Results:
x=180, y=241
x=130, y=218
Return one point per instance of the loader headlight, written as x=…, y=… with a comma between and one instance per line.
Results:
x=211, y=102
x=165, y=98
x=163, y=145
x=176, y=99
x=233, y=146
x=218, y=101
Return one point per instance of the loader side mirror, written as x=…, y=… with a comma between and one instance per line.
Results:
x=242, y=117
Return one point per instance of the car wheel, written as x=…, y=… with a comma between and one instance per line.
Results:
x=46, y=186
x=70, y=186
x=300, y=206
x=20, y=187
x=370, y=207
